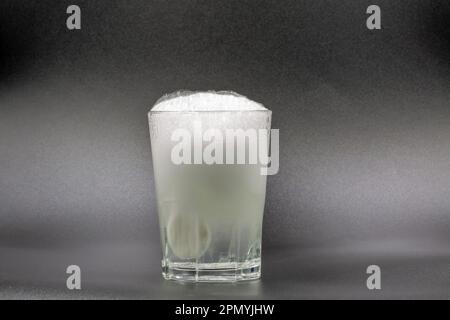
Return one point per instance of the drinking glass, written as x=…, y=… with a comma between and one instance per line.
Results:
x=210, y=215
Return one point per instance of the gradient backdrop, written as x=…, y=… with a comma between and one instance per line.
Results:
x=364, y=119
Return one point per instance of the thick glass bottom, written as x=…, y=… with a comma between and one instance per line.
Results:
x=212, y=272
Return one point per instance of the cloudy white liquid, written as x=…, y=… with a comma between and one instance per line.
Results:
x=210, y=215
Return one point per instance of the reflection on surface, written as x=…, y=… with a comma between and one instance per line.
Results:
x=410, y=269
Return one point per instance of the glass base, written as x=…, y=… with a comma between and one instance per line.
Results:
x=212, y=272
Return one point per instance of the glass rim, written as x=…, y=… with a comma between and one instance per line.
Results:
x=208, y=111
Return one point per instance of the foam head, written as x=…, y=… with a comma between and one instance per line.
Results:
x=191, y=101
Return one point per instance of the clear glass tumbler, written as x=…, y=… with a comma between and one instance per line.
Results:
x=210, y=215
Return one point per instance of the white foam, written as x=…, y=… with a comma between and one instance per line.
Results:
x=206, y=101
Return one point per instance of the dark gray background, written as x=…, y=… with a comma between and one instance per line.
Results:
x=364, y=119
